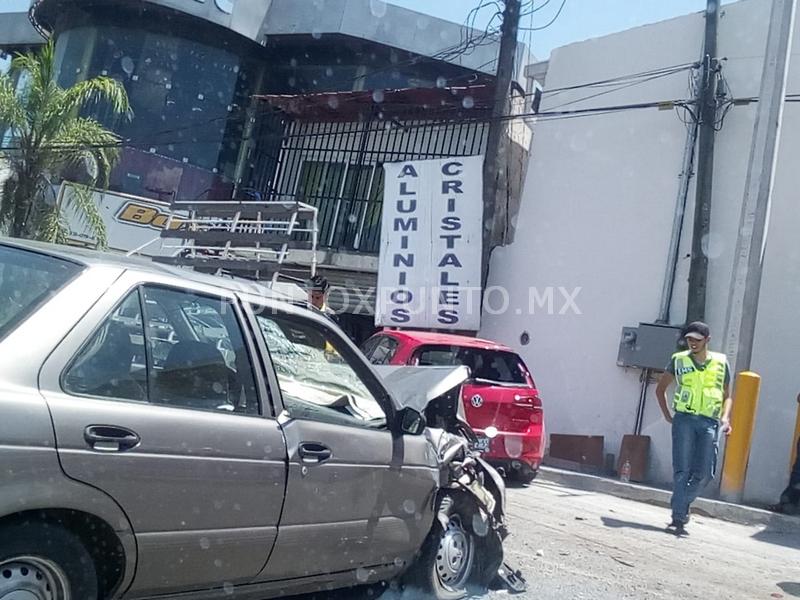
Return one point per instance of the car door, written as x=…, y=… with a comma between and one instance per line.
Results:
x=358, y=496
x=176, y=427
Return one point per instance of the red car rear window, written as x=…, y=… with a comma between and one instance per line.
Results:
x=488, y=365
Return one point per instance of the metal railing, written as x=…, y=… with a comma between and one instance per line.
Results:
x=337, y=167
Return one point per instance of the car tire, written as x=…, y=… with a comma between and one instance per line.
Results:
x=524, y=476
x=451, y=562
x=45, y=561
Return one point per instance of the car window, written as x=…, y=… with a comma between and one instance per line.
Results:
x=315, y=374
x=176, y=359
x=112, y=364
x=435, y=356
x=489, y=365
x=384, y=350
x=198, y=357
x=27, y=280
x=369, y=346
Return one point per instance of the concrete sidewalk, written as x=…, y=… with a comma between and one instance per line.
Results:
x=736, y=513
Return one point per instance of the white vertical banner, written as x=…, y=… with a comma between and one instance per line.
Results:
x=429, y=272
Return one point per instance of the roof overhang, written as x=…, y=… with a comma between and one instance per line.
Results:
x=16, y=30
x=371, y=20
x=427, y=103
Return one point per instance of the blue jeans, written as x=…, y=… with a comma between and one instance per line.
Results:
x=694, y=459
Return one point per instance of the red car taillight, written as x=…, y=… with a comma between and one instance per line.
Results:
x=532, y=403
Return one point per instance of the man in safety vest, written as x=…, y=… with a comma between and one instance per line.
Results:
x=702, y=405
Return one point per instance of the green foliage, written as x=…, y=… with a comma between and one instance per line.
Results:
x=48, y=140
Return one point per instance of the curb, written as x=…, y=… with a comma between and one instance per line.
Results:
x=735, y=513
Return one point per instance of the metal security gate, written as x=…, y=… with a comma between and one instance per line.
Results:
x=336, y=166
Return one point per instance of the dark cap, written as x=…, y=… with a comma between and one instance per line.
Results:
x=697, y=330
x=317, y=284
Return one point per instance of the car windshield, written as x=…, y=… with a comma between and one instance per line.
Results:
x=27, y=280
x=313, y=373
x=487, y=365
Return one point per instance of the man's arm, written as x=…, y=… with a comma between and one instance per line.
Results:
x=727, y=405
x=661, y=393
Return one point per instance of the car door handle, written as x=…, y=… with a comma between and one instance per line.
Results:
x=313, y=452
x=110, y=438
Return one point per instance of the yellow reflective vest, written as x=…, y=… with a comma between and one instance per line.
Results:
x=700, y=391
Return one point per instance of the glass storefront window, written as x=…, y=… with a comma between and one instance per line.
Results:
x=189, y=102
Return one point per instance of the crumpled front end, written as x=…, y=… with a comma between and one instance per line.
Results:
x=466, y=479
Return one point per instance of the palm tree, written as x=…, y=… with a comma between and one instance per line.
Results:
x=47, y=140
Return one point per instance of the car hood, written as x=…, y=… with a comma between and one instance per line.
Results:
x=416, y=387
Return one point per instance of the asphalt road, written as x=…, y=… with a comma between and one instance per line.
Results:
x=571, y=544
x=575, y=544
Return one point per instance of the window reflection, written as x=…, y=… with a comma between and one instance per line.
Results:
x=189, y=101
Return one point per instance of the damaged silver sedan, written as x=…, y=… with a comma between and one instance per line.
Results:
x=172, y=435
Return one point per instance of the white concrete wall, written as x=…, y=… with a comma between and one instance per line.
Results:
x=598, y=206
x=778, y=326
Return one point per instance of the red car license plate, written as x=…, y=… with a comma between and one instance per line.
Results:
x=481, y=444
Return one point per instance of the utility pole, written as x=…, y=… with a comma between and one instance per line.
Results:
x=753, y=226
x=707, y=113
x=495, y=155
x=687, y=172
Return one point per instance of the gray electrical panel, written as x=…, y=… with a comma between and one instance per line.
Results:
x=648, y=346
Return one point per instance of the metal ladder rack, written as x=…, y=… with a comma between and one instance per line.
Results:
x=252, y=239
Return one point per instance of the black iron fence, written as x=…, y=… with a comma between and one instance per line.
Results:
x=338, y=167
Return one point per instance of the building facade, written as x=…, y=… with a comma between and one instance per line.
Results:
x=225, y=98
x=598, y=204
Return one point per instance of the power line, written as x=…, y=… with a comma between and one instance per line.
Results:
x=541, y=116
x=534, y=8
x=622, y=78
x=553, y=20
x=620, y=87
x=529, y=31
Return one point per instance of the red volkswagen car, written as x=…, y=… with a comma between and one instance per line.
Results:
x=500, y=400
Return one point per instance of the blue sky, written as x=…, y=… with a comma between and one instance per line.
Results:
x=14, y=5
x=579, y=20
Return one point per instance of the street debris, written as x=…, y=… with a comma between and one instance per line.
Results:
x=623, y=562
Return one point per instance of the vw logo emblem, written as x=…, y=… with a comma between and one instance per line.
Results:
x=476, y=401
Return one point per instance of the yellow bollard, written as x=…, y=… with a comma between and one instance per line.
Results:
x=796, y=434
x=737, y=449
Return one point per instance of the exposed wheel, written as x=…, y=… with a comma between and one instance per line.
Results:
x=450, y=564
x=455, y=554
x=44, y=562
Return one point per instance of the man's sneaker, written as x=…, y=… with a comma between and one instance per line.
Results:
x=678, y=526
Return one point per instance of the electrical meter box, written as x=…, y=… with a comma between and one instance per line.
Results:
x=648, y=346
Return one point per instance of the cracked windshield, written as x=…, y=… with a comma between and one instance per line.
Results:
x=399, y=300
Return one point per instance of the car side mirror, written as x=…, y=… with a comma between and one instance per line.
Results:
x=411, y=421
